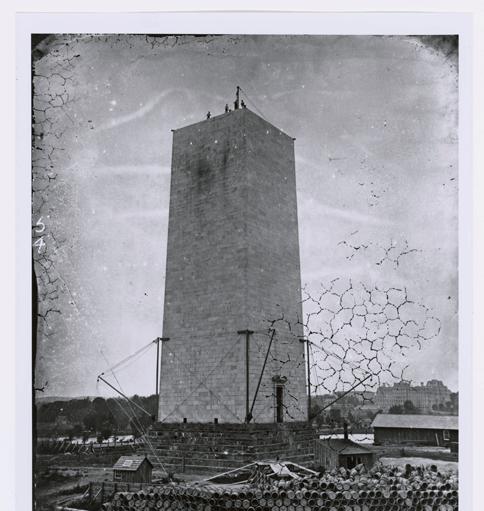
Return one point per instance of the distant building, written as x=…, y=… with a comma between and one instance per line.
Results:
x=133, y=469
x=356, y=407
x=345, y=403
x=424, y=397
x=438, y=430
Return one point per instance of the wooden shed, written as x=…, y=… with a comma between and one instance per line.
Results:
x=341, y=452
x=437, y=430
x=133, y=469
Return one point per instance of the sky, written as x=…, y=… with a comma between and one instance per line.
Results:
x=375, y=122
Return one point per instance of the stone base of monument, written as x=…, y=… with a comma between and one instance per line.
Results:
x=212, y=448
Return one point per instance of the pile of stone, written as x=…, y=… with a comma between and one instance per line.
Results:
x=379, y=489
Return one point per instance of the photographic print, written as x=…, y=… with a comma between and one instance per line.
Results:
x=245, y=272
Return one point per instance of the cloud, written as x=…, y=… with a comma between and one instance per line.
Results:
x=309, y=207
x=137, y=114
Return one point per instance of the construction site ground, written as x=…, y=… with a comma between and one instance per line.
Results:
x=63, y=478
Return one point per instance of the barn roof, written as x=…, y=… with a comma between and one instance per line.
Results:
x=130, y=463
x=343, y=446
x=388, y=420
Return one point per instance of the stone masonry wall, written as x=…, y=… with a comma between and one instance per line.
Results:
x=217, y=447
x=232, y=264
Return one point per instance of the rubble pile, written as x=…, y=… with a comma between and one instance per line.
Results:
x=268, y=489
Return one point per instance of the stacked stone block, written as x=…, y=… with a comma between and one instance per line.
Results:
x=208, y=448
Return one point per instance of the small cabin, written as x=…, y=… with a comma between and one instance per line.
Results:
x=132, y=469
x=341, y=452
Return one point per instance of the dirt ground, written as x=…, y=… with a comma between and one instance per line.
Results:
x=57, y=484
x=442, y=466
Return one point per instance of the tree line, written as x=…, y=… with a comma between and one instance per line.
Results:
x=99, y=416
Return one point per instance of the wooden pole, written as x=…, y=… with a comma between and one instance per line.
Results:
x=247, y=384
x=157, y=388
x=308, y=376
x=159, y=355
x=247, y=372
x=309, y=381
x=249, y=418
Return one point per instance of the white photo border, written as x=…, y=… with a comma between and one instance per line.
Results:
x=237, y=23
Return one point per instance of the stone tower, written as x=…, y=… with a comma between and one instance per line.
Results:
x=232, y=267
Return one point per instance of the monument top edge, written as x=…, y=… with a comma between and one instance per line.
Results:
x=241, y=113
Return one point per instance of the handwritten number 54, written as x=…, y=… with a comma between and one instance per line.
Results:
x=39, y=243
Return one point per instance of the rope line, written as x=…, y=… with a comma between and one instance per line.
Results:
x=132, y=416
x=313, y=367
x=133, y=360
x=202, y=382
x=144, y=434
x=111, y=370
x=253, y=104
x=129, y=357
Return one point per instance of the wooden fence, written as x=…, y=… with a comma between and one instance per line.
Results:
x=63, y=446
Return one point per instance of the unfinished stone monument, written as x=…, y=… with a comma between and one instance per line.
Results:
x=232, y=359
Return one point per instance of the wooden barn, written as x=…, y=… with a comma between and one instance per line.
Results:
x=341, y=452
x=436, y=430
x=133, y=469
